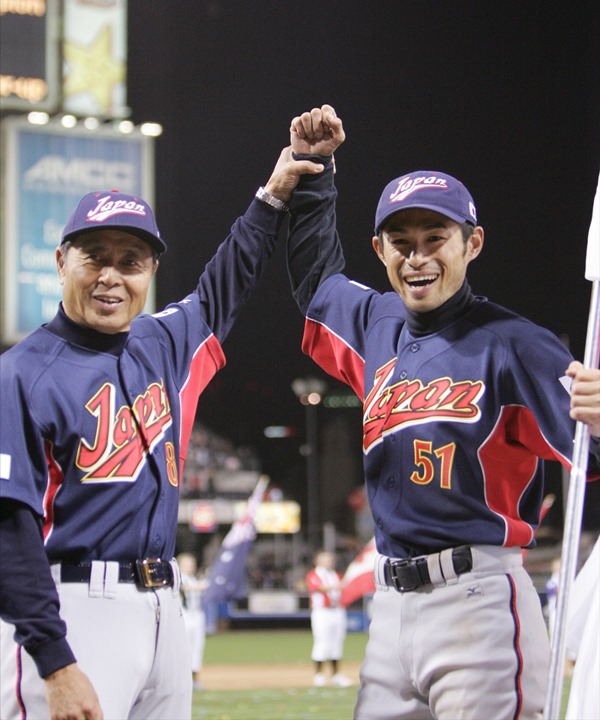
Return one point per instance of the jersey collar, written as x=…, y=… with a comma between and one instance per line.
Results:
x=85, y=337
x=426, y=323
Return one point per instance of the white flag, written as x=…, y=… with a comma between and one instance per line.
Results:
x=592, y=260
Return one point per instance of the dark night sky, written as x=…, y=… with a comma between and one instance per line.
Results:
x=504, y=95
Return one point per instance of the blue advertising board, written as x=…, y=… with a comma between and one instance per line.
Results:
x=47, y=169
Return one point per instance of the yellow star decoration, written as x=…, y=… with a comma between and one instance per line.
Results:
x=92, y=69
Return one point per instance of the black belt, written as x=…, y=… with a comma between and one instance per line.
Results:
x=145, y=573
x=406, y=575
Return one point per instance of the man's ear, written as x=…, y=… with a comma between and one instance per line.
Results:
x=60, y=264
x=376, y=243
x=475, y=243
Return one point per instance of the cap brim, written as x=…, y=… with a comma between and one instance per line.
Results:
x=156, y=244
x=393, y=211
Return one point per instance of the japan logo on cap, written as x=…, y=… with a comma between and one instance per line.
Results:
x=107, y=207
x=430, y=190
x=114, y=210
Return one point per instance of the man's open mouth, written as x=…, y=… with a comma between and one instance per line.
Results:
x=421, y=280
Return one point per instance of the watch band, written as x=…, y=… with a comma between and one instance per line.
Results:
x=271, y=200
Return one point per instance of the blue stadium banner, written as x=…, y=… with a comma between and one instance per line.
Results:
x=47, y=169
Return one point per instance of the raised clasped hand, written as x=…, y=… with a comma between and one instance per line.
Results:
x=318, y=132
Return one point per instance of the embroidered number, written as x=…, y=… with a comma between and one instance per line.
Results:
x=171, y=464
x=423, y=460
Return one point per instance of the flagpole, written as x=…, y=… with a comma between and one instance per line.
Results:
x=577, y=481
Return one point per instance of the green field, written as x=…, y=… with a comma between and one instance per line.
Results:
x=289, y=648
x=291, y=704
x=286, y=648
x=272, y=646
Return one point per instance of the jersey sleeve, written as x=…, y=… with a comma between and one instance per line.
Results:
x=536, y=412
x=336, y=329
x=237, y=266
x=314, y=252
x=183, y=345
x=23, y=466
x=28, y=596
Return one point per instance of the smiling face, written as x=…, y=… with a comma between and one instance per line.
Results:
x=426, y=256
x=105, y=276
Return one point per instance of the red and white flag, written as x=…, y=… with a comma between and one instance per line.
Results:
x=358, y=579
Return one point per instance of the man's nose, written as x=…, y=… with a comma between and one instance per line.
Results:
x=108, y=275
x=416, y=257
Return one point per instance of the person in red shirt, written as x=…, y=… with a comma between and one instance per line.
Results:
x=327, y=619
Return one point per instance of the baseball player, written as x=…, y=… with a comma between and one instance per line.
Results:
x=327, y=619
x=463, y=400
x=97, y=410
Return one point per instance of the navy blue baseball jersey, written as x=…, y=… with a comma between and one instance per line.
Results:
x=94, y=427
x=460, y=407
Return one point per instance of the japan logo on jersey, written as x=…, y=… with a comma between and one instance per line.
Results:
x=388, y=408
x=124, y=436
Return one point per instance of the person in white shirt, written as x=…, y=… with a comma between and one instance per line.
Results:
x=193, y=612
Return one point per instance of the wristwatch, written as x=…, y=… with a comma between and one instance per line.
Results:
x=271, y=200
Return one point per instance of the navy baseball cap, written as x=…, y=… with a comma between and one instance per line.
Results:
x=116, y=210
x=427, y=189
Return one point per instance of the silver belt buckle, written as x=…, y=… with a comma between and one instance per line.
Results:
x=148, y=568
